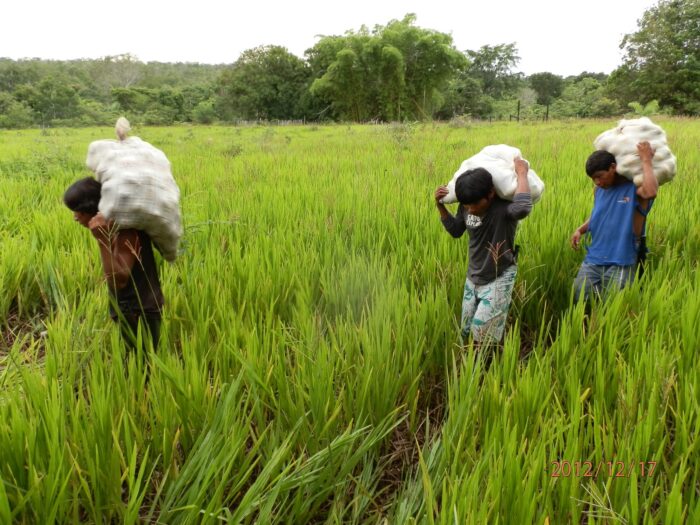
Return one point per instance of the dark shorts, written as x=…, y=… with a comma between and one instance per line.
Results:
x=130, y=323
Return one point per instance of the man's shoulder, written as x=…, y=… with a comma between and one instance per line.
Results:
x=500, y=206
x=624, y=185
x=624, y=188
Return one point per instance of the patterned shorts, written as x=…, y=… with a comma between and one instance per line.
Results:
x=485, y=307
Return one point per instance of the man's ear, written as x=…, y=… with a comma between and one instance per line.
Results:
x=492, y=193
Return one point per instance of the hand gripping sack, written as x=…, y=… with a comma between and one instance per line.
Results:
x=138, y=190
x=622, y=142
x=498, y=160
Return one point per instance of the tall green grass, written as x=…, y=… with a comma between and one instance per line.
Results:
x=311, y=322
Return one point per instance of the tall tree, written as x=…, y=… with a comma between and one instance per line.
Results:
x=464, y=97
x=548, y=86
x=392, y=72
x=393, y=81
x=494, y=67
x=662, y=59
x=430, y=59
x=351, y=77
x=266, y=82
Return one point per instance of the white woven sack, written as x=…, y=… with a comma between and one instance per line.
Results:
x=138, y=190
x=498, y=160
x=622, y=142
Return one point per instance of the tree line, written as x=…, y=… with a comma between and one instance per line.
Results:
x=393, y=72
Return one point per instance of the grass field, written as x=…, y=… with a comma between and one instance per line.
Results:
x=309, y=370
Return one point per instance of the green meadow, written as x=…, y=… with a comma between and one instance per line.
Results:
x=309, y=368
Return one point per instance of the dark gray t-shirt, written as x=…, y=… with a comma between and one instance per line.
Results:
x=491, y=237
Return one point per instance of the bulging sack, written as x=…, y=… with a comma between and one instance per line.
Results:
x=498, y=160
x=622, y=142
x=138, y=190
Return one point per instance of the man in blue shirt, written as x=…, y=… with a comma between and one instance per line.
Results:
x=616, y=224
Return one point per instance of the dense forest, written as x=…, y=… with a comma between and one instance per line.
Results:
x=395, y=72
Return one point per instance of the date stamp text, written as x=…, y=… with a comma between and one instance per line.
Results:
x=596, y=469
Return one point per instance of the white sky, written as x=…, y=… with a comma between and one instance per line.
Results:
x=564, y=37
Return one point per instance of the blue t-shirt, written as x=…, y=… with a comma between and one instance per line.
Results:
x=613, y=241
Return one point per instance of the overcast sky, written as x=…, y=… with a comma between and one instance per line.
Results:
x=564, y=37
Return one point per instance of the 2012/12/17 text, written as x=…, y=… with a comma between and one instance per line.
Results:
x=590, y=469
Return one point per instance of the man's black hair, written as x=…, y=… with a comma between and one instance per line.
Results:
x=473, y=185
x=83, y=196
x=600, y=160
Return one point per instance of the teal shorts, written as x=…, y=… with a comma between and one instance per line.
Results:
x=485, y=307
